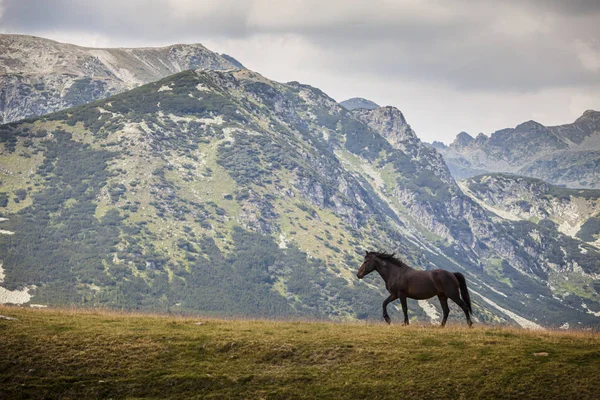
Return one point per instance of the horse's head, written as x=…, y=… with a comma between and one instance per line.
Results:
x=368, y=265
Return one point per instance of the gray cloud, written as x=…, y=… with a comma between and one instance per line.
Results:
x=486, y=48
x=511, y=45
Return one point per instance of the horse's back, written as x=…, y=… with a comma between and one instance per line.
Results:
x=421, y=284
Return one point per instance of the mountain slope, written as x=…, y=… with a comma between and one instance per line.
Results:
x=517, y=197
x=38, y=76
x=229, y=193
x=564, y=155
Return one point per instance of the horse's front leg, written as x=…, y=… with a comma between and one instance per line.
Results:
x=387, y=301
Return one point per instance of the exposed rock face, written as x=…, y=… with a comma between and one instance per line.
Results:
x=39, y=76
x=390, y=123
x=529, y=199
x=358, y=102
x=565, y=155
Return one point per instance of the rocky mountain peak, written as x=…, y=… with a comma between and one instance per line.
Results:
x=463, y=139
x=389, y=122
x=436, y=144
x=530, y=126
x=589, y=116
x=481, y=139
x=358, y=102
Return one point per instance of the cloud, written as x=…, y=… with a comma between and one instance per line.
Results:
x=510, y=49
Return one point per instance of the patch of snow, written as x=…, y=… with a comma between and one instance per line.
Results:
x=203, y=88
x=38, y=306
x=523, y=322
x=5, y=232
x=497, y=211
x=430, y=310
x=282, y=242
x=493, y=289
x=13, y=296
x=594, y=313
x=165, y=88
x=564, y=326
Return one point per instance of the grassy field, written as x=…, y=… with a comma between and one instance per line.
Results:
x=97, y=354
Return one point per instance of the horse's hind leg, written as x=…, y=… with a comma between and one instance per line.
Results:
x=404, y=309
x=464, y=307
x=445, y=308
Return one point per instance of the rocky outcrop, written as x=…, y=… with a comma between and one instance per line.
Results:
x=521, y=198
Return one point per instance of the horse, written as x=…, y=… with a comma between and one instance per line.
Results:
x=404, y=282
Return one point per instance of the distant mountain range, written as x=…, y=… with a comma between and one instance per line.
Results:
x=224, y=192
x=563, y=155
x=39, y=76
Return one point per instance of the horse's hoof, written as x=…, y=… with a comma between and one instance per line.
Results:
x=387, y=319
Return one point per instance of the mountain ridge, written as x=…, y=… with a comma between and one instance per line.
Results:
x=38, y=75
x=206, y=181
x=565, y=154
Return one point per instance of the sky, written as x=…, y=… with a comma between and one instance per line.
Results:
x=449, y=66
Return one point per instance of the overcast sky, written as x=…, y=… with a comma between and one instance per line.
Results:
x=450, y=66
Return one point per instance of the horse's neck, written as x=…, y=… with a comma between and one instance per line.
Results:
x=385, y=270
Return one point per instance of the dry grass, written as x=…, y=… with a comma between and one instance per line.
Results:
x=102, y=354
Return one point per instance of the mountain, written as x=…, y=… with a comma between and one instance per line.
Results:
x=39, y=76
x=227, y=193
x=358, y=102
x=562, y=155
x=573, y=211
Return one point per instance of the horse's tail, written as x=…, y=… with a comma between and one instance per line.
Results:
x=464, y=292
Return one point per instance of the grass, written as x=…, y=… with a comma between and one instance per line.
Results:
x=99, y=354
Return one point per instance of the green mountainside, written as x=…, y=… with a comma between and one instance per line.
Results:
x=230, y=194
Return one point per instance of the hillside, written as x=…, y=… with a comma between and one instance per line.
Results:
x=39, y=76
x=91, y=354
x=574, y=211
x=562, y=155
x=230, y=194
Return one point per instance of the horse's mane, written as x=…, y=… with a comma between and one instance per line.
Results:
x=390, y=257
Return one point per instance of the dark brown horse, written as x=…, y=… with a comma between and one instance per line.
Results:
x=405, y=282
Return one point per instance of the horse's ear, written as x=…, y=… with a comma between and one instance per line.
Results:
x=366, y=253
